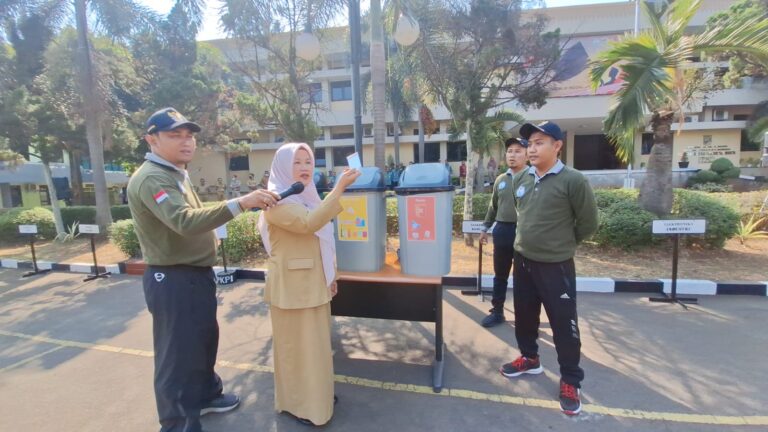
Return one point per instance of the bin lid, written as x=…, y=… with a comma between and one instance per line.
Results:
x=371, y=180
x=424, y=178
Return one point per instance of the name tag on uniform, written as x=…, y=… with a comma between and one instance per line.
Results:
x=520, y=191
x=502, y=185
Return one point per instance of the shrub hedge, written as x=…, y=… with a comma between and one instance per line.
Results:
x=42, y=217
x=123, y=235
x=722, y=221
x=243, y=238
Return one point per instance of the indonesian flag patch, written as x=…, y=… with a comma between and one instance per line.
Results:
x=160, y=196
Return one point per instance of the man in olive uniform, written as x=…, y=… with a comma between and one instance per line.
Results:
x=556, y=211
x=502, y=215
x=179, y=246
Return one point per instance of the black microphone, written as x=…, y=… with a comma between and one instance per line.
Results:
x=295, y=188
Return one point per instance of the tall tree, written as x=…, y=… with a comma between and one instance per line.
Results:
x=266, y=34
x=653, y=65
x=378, y=80
x=477, y=56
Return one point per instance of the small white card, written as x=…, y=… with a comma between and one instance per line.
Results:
x=28, y=229
x=353, y=161
x=88, y=229
x=221, y=232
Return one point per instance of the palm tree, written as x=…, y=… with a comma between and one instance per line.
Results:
x=653, y=64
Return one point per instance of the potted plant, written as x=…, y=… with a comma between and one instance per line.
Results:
x=683, y=160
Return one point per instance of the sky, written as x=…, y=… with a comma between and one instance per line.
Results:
x=210, y=25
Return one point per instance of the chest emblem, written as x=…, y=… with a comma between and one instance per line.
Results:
x=520, y=191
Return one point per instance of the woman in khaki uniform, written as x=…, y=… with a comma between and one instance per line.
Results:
x=301, y=280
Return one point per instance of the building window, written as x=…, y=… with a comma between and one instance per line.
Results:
x=239, y=163
x=340, y=155
x=320, y=157
x=338, y=60
x=647, y=144
x=431, y=152
x=341, y=91
x=741, y=117
x=313, y=93
x=45, y=198
x=746, y=144
x=457, y=151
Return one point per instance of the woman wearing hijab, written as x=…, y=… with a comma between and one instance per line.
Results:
x=301, y=281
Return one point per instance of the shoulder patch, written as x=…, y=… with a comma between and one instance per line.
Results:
x=160, y=196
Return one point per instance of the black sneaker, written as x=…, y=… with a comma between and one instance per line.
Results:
x=225, y=402
x=522, y=365
x=570, y=403
x=494, y=318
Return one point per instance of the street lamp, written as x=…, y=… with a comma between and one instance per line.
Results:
x=307, y=46
x=406, y=31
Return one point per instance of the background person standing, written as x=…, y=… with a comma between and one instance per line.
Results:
x=502, y=212
x=556, y=210
x=177, y=241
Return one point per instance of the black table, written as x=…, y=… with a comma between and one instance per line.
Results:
x=389, y=294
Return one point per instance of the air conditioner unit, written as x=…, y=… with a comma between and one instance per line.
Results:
x=368, y=131
x=720, y=115
x=691, y=119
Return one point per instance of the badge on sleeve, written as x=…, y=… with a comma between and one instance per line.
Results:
x=160, y=196
x=520, y=191
x=502, y=185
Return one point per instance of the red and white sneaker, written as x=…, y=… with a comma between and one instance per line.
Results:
x=570, y=403
x=522, y=365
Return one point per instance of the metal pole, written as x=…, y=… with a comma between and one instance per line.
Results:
x=95, y=263
x=34, y=258
x=675, y=249
x=354, y=32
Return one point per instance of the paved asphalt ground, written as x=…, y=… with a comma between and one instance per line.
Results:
x=76, y=357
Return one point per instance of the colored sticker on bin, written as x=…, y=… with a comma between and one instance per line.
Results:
x=421, y=220
x=352, y=222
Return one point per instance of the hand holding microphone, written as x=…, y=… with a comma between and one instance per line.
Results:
x=263, y=199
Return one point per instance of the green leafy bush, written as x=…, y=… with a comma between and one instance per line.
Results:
x=42, y=217
x=704, y=176
x=123, y=235
x=480, y=202
x=87, y=214
x=120, y=212
x=711, y=187
x=722, y=221
x=625, y=224
x=731, y=173
x=243, y=237
x=721, y=165
x=608, y=197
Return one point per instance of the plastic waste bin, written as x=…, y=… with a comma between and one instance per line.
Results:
x=361, y=228
x=425, y=213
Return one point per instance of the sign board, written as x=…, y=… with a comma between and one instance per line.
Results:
x=421, y=220
x=28, y=229
x=221, y=232
x=680, y=226
x=352, y=222
x=226, y=278
x=88, y=229
x=474, y=227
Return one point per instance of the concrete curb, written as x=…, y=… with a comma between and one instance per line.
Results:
x=583, y=284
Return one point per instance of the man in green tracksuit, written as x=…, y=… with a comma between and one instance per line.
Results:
x=555, y=211
x=178, y=244
x=502, y=215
